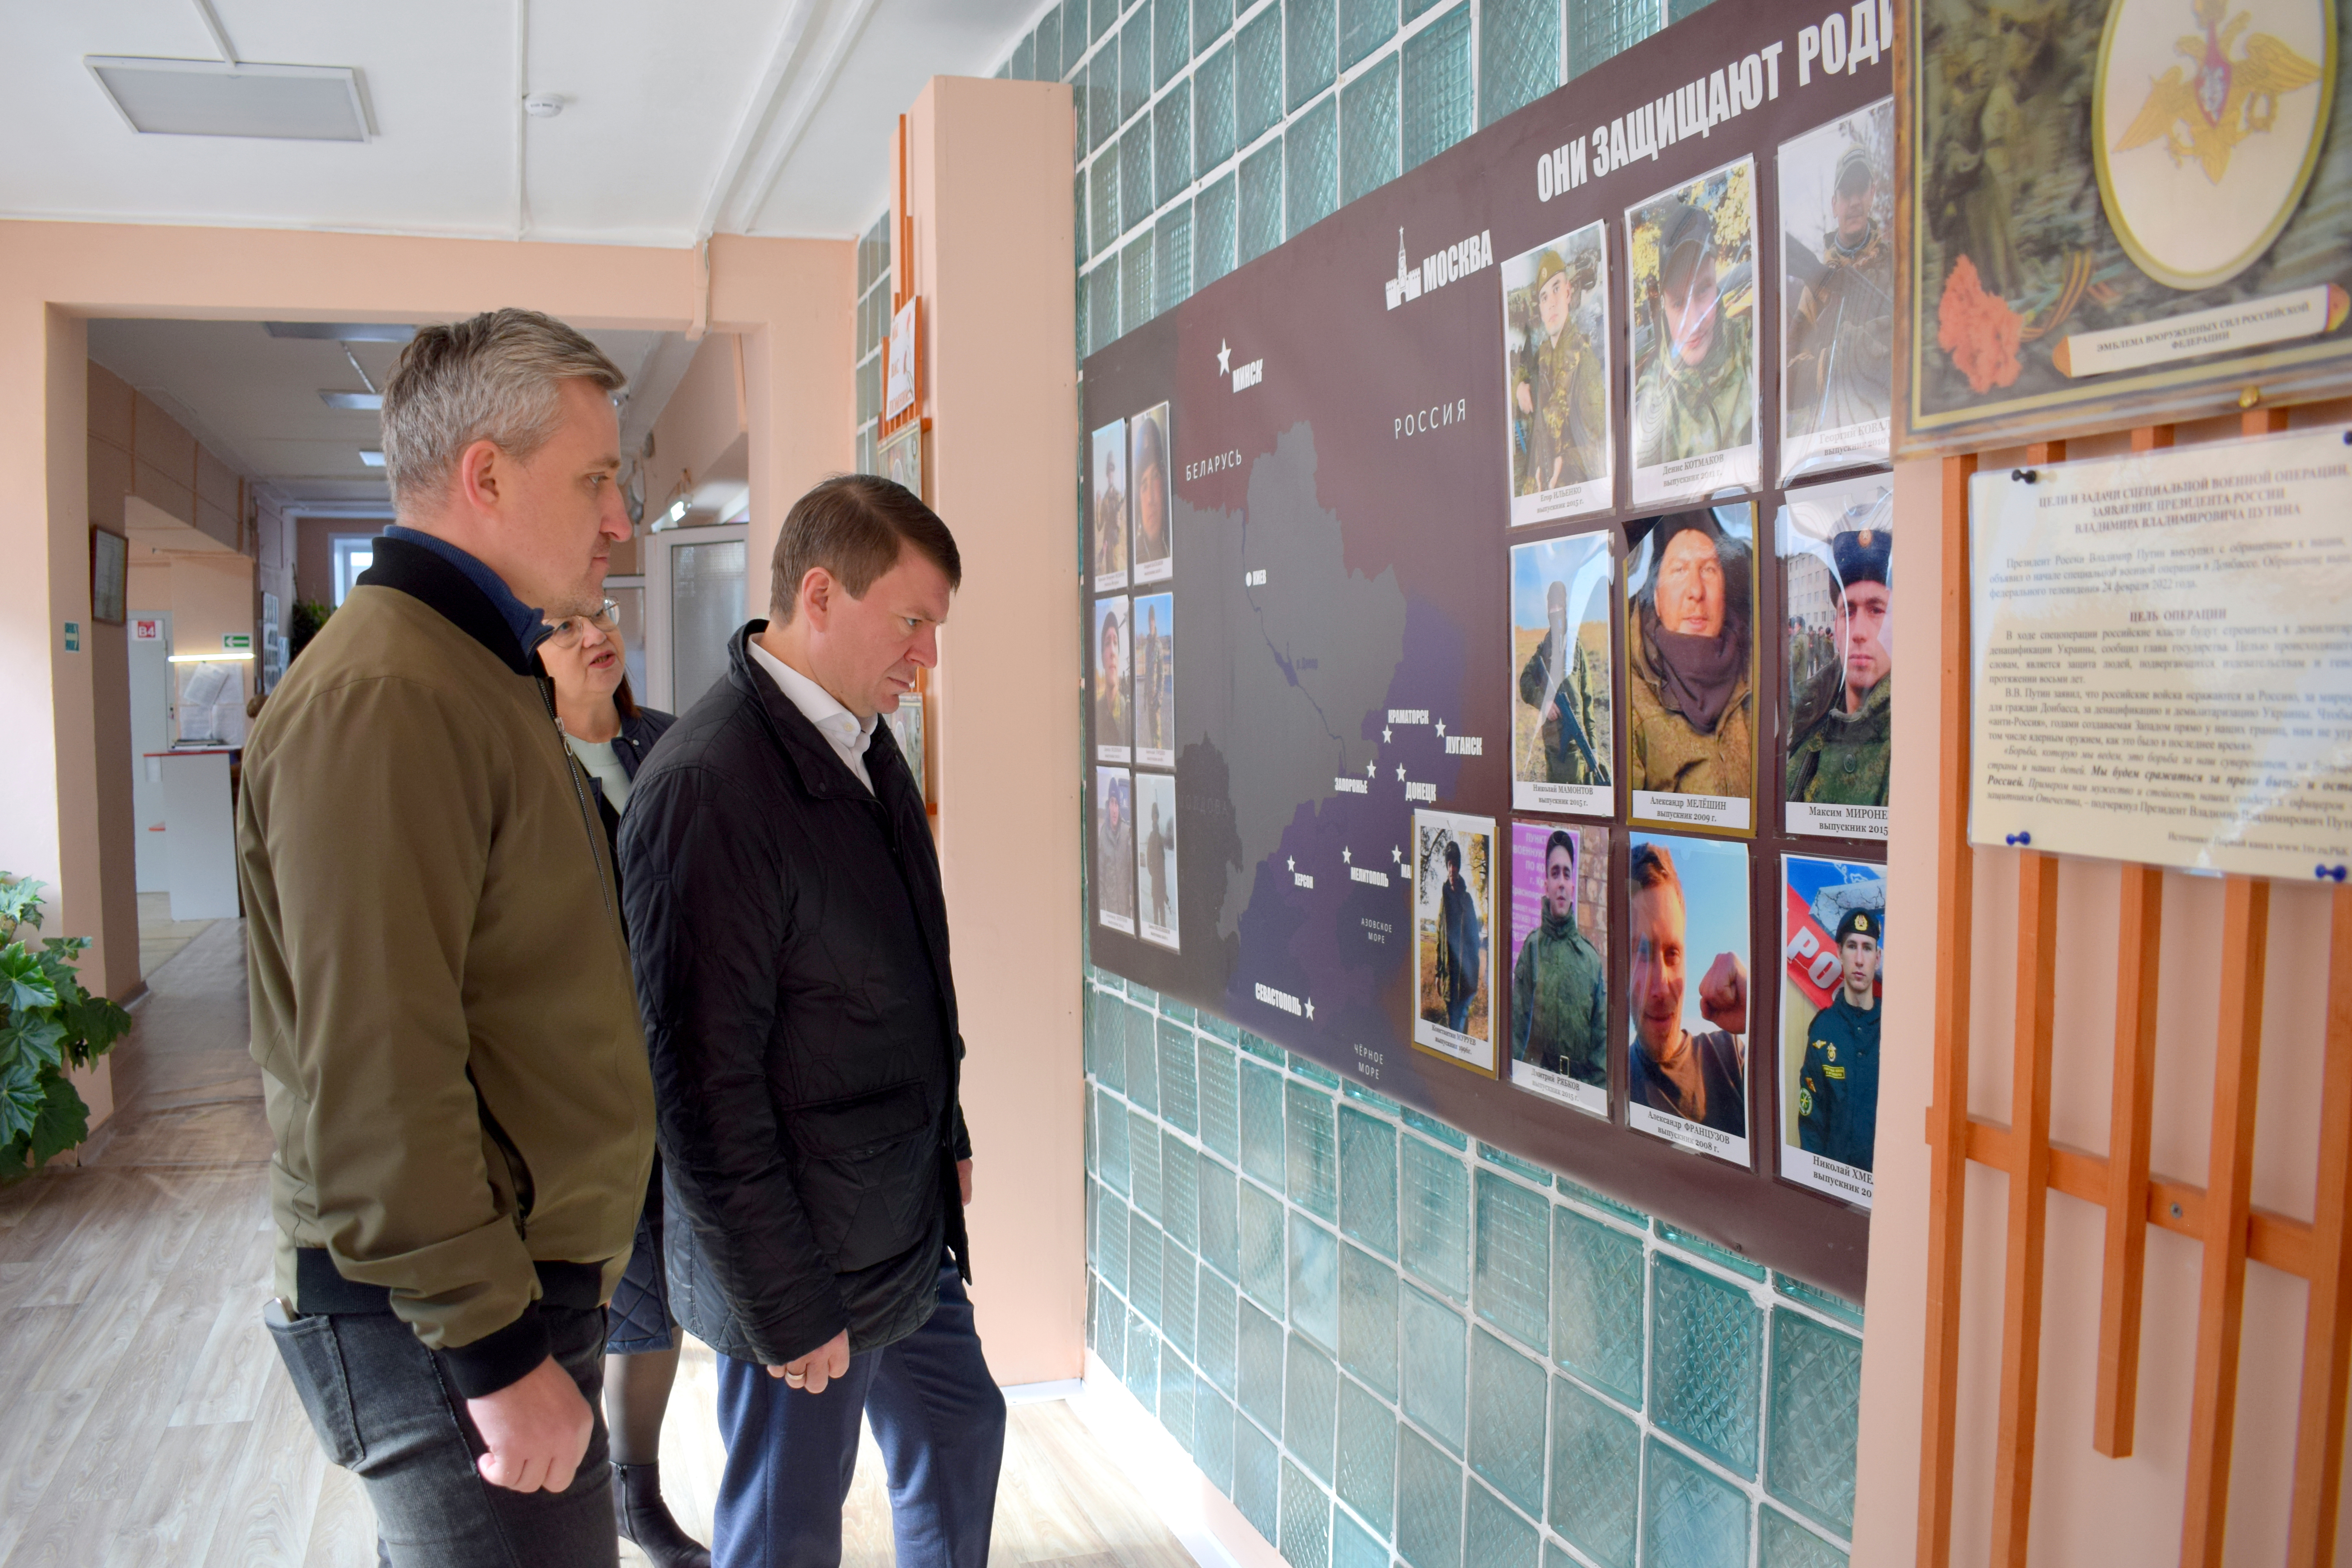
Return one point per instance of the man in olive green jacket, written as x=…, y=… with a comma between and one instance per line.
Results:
x=441, y=997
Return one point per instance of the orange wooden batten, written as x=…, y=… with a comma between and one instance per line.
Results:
x=2327, y=1323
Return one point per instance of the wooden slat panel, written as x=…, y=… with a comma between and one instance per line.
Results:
x=2327, y=1323
x=2029, y=1203
x=2275, y=1240
x=1948, y=1114
x=2222, y=1288
x=2262, y=421
x=2127, y=1139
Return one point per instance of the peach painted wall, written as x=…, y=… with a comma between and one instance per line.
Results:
x=791, y=296
x=989, y=193
x=702, y=418
x=2088, y=1511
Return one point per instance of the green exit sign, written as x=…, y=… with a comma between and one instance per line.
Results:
x=236, y=642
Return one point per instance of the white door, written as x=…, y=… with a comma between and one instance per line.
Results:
x=696, y=581
x=150, y=633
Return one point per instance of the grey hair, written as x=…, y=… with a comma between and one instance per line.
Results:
x=493, y=377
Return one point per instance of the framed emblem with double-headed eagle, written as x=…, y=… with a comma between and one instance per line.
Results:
x=2117, y=212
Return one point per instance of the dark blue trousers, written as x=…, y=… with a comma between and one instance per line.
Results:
x=937, y=1417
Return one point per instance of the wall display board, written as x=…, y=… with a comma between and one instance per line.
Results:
x=2161, y=666
x=1837, y=549
x=1428, y=466
x=2116, y=207
x=1832, y=948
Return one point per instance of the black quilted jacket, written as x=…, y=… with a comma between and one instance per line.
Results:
x=790, y=947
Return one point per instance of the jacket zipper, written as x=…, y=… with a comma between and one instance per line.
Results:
x=587, y=819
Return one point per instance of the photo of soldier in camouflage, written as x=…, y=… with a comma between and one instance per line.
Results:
x=1837, y=293
x=1556, y=346
x=1693, y=291
x=1836, y=547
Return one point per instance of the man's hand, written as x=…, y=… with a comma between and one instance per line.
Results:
x=535, y=1430
x=1723, y=995
x=963, y=1180
x=811, y=1372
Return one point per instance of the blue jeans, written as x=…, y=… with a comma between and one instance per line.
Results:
x=1457, y=1014
x=384, y=1409
x=937, y=1417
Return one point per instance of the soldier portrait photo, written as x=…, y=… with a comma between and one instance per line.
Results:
x=1834, y=941
x=1837, y=293
x=1155, y=858
x=1686, y=933
x=1690, y=663
x=1107, y=519
x=1556, y=358
x=1559, y=971
x=1148, y=473
x=1154, y=644
x=1114, y=867
x=1836, y=542
x=1114, y=707
x=1453, y=914
x=1563, y=740
x=1693, y=294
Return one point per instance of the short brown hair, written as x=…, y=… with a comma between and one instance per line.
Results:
x=496, y=377
x=854, y=526
x=1653, y=867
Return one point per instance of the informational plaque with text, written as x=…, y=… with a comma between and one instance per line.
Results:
x=2163, y=657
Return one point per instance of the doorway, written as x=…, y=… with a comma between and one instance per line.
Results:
x=696, y=588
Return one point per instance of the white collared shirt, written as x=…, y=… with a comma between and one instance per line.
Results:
x=843, y=730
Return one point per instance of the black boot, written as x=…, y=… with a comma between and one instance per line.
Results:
x=641, y=1518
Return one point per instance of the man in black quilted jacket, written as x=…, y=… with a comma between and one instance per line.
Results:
x=791, y=945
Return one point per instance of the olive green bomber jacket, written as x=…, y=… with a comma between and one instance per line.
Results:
x=441, y=999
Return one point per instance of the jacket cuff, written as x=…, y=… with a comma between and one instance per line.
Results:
x=502, y=1358
x=963, y=1135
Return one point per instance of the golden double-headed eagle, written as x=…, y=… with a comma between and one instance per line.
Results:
x=2202, y=113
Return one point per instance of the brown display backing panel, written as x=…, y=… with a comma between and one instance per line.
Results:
x=1433, y=507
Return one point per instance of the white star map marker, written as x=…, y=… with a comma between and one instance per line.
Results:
x=1348, y=855
x=1396, y=854
x=1224, y=358
x=1369, y=769
x=1399, y=772
x=1310, y=1006
x=1387, y=735
x=1441, y=729
x=1292, y=863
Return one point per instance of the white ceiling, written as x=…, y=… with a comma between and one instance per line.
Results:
x=254, y=399
x=769, y=117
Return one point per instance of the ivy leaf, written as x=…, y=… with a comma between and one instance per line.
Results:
x=22, y=1096
x=23, y=983
x=62, y=1123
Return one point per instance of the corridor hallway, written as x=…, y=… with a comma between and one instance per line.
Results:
x=150, y=1423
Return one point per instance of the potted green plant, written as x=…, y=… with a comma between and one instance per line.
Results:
x=49, y=1026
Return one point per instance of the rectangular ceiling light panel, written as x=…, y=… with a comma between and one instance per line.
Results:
x=209, y=97
x=370, y=401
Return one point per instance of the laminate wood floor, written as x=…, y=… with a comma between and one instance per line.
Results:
x=148, y=1420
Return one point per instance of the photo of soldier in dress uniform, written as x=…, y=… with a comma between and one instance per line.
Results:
x=1837, y=293
x=1454, y=912
x=1155, y=858
x=1154, y=637
x=1836, y=543
x=1832, y=947
x=1692, y=254
x=1556, y=352
x=1559, y=977
x=1114, y=708
x=1690, y=667
x=1114, y=866
x=1148, y=466
x=1563, y=742
x=1686, y=1066
x=1106, y=526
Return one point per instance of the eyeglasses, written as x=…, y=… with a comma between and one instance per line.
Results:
x=566, y=633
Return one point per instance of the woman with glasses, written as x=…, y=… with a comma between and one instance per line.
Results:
x=611, y=735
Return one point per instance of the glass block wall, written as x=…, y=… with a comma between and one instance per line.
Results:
x=873, y=326
x=1211, y=131
x=1389, y=1343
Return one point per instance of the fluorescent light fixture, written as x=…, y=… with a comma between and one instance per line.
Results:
x=372, y=458
x=244, y=657
x=343, y=332
x=211, y=98
x=371, y=402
